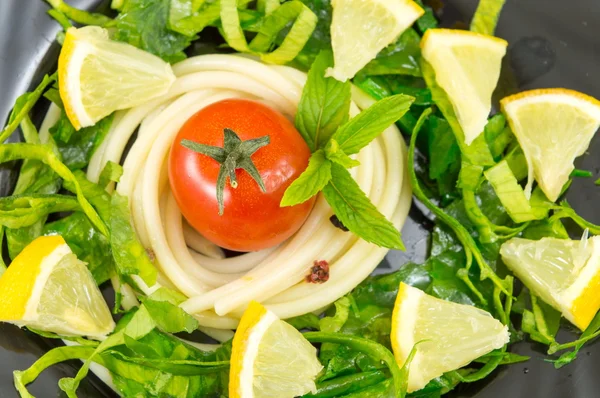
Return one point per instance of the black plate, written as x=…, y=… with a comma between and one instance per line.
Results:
x=553, y=43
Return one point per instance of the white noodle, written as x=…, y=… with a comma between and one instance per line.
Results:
x=218, y=288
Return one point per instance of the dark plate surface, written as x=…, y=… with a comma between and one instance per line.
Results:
x=553, y=43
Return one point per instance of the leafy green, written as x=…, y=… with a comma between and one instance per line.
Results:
x=376, y=351
x=25, y=210
x=34, y=178
x=566, y=211
x=86, y=242
x=348, y=384
x=23, y=105
x=478, y=153
x=170, y=318
x=427, y=20
x=581, y=173
x=324, y=105
x=130, y=257
x=129, y=254
x=444, y=152
x=509, y=192
x=78, y=147
x=498, y=135
x=44, y=153
x=590, y=333
x=334, y=153
x=469, y=244
x=143, y=358
x=357, y=213
x=400, y=58
x=302, y=19
x=359, y=131
x=79, y=16
x=112, y=172
x=189, y=19
x=332, y=324
x=145, y=24
x=310, y=182
x=486, y=16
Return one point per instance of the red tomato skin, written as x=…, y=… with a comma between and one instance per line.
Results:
x=252, y=220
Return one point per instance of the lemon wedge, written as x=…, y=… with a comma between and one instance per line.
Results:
x=450, y=335
x=562, y=272
x=467, y=66
x=98, y=76
x=270, y=358
x=47, y=288
x=553, y=126
x=362, y=28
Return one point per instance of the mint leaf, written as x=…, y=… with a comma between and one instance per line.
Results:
x=364, y=128
x=336, y=155
x=357, y=213
x=324, y=106
x=310, y=182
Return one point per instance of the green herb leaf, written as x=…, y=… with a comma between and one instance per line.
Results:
x=444, y=152
x=324, y=106
x=310, y=182
x=428, y=20
x=371, y=122
x=400, y=58
x=145, y=25
x=334, y=153
x=357, y=213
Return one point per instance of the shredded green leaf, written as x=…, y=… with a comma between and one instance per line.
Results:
x=486, y=16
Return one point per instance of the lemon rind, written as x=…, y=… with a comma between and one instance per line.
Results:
x=586, y=103
x=510, y=105
x=254, y=338
x=579, y=288
x=436, y=48
x=433, y=38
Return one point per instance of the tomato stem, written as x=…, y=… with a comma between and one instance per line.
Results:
x=235, y=154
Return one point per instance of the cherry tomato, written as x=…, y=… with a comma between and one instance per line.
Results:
x=252, y=219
